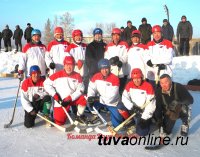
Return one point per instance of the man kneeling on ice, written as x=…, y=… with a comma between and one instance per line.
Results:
x=103, y=91
x=33, y=97
x=66, y=87
x=138, y=98
x=172, y=102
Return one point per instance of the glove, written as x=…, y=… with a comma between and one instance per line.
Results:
x=33, y=113
x=36, y=97
x=136, y=110
x=91, y=100
x=119, y=64
x=66, y=101
x=161, y=66
x=52, y=65
x=149, y=63
x=114, y=60
x=20, y=75
x=57, y=98
x=79, y=64
x=143, y=123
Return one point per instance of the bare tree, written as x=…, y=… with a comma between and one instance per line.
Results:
x=67, y=22
x=48, y=33
x=55, y=22
x=109, y=27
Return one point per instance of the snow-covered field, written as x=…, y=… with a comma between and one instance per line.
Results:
x=49, y=142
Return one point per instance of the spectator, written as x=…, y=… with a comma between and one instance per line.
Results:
x=27, y=33
x=127, y=32
x=18, y=33
x=167, y=30
x=7, y=35
x=0, y=40
x=145, y=30
x=122, y=36
x=184, y=35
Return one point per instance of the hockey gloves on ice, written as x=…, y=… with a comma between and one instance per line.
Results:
x=149, y=63
x=66, y=101
x=52, y=65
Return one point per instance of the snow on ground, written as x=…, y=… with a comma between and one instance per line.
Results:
x=49, y=142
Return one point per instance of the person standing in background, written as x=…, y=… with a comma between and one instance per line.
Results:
x=127, y=32
x=18, y=33
x=167, y=30
x=7, y=35
x=27, y=33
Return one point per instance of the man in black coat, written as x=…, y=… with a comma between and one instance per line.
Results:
x=172, y=102
x=94, y=52
x=145, y=30
x=7, y=35
x=167, y=30
x=18, y=33
x=0, y=40
x=127, y=32
x=27, y=33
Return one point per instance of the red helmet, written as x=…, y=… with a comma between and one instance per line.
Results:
x=156, y=28
x=116, y=31
x=136, y=73
x=76, y=33
x=58, y=30
x=69, y=60
x=136, y=33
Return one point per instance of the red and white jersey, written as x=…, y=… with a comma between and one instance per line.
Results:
x=140, y=95
x=161, y=53
x=136, y=58
x=28, y=90
x=33, y=54
x=65, y=85
x=119, y=50
x=107, y=88
x=78, y=52
x=56, y=54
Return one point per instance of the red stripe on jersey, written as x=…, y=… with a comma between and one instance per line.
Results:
x=55, y=42
x=30, y=45
x=165, y=42
x=73, y=45
x=120, y=43
x=111, y=79
x=62, y=73
x=29, y=83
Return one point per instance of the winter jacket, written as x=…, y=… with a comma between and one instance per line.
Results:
x=159, y=53
x=78, y=52
x=107, y=88
x=184, y=30
x=145, y=30
x=127, y=34
x=168, y=32
x=119, y=50
x=139, y=95
x=65, y=85
x=7, y=34
x=136, y=58
x=27, y=33
x=18, y=33
x=94, y=52
x=28, y=90
x=182, y=94
x=33, y=54
x=56, y=54
x=0, y=35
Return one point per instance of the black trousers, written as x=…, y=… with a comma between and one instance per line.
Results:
x=18, y=44
x=7, y=43
x=184, y=44
x=29, y=120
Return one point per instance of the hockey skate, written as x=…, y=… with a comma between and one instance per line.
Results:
x=94, y=121
x=184, y=129
x=83, y=120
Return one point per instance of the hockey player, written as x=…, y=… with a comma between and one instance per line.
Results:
x=160, y=54
x=136, y=93
x=33, y=97
x=172, y=102
x=116, y=53
x=136, y=54
x=33, y=53
x=105, y=85
x=66, y=87
x=56, y=51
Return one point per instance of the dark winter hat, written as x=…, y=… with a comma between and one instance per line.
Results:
x=129, y=21
x=183, y=17
x=7, y=26
x=165, y=20
x=28, y=24
x=122, y=27
x=144, y=19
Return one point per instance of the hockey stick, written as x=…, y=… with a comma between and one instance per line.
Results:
x=52, y=123
x=167, y=11
x=14, y=108
x=116, y=129
x=75, y=123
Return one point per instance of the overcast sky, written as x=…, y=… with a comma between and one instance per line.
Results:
x=87, y=13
